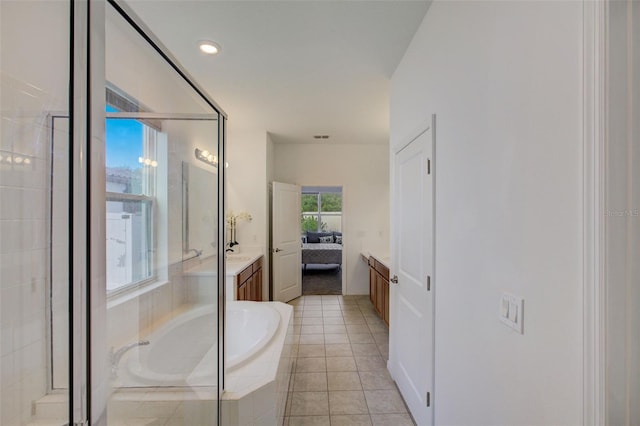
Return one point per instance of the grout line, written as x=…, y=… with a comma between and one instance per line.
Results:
x=362, y=311
x=326, y=372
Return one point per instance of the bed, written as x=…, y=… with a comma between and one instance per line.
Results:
x=317, y=251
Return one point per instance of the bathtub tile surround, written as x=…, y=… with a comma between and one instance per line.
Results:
x=256, y=392
x=133, y=314
x=166, y=406
x=340, y=375
x=256, y=389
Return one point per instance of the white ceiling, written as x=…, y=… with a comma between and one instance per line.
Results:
x=293, y=68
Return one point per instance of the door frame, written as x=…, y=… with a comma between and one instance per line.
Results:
x=595, y=64
x=344, y=265
x=426, y=125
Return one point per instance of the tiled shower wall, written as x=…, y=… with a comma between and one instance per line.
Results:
x=23, y=253
x=33, y=83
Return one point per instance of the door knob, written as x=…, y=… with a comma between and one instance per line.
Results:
x=394, y=279
x=276, y=250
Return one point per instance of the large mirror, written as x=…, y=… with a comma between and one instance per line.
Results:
x=198, y=211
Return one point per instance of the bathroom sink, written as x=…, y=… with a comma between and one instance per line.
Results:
x=237, y=258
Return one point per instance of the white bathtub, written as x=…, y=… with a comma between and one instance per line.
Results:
x=184, y=350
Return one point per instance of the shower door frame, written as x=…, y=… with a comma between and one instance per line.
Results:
x=87, y=387
x=51, y=332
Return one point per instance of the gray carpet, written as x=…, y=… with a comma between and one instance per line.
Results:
x=322, y=279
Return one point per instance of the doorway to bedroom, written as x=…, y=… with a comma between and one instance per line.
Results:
x=322, y=240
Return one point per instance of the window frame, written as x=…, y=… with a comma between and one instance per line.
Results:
x=152, y=250
x=124, y=104
x=320, y=213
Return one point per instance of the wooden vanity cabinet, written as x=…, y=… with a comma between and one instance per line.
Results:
x=379, y=288
x=249, y=282
x=372, y=281
x=256, y=281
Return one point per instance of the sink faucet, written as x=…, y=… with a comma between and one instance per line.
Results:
x=117, y=355
x=231, y=244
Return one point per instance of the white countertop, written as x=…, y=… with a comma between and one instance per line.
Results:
x=385, y=259
x=241, y=261
x=235, y=264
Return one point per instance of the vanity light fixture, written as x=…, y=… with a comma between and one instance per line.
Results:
x=15, y=159
x=147, y=162
x=209, y=47
x=209, y=158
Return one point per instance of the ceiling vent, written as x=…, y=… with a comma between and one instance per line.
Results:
x=321, y=136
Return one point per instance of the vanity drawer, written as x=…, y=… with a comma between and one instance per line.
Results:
x=257, y=264
x=245, y=274
x=383, y=270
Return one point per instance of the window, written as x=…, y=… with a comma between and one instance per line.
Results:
x=130, y=191
x=322, y=209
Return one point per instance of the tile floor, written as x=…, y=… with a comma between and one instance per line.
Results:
x=340, y=375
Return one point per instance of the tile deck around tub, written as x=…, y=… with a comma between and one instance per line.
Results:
x=340, y=376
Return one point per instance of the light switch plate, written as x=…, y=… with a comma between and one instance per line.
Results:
x=511, y=312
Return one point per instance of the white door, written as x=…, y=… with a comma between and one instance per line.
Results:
x=411, y=334
x=286, y=246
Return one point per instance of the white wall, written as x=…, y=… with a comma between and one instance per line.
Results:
x=622, y=217
x=183, y=138
x=247, y=189
x=271, y=152
x=363, y=172
x=504, y=79
x=154, y=85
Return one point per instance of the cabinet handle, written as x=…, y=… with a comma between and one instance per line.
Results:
x=394, y=279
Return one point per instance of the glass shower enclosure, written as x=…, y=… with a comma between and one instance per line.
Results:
x=104, y=136
x=34, y=92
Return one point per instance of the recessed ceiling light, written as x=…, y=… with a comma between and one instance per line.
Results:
x=209, y=47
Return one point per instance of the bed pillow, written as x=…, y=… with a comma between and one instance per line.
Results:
x=338, y=239
x=314, y=237
x=327, y=239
